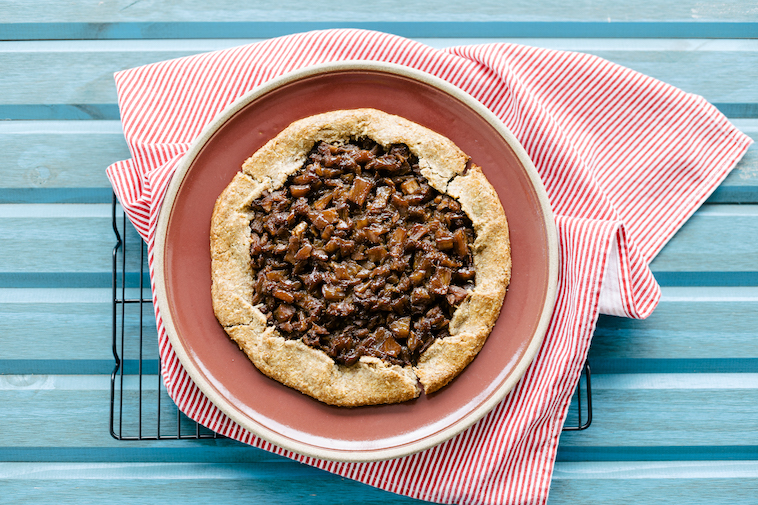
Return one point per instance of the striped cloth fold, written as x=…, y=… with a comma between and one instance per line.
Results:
x=625, y=160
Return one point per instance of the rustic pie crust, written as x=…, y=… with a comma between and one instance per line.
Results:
x=371, y=380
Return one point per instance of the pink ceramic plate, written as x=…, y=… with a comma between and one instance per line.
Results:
x=284, y=416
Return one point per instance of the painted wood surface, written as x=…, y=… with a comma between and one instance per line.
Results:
x=690, y=323
x=670, y=482
x=642, y=415
x=18, y=11
x=718, y=238
x=675, y=396
x=159, y=483
x=79, y=73
x=64, y=162
x=155, y=483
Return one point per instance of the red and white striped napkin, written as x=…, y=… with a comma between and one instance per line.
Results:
x=625, y=159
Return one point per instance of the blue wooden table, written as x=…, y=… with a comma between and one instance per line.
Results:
x=675, y=397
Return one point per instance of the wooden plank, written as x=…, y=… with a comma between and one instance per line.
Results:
x=655, y=469
x=670, y=410
x=693, y=330
x=81, y=236
x=65, y=161
x=16, y=11
x=80, y=72
x=83, y=397
x=69, y=324
x=718, y=238
x=59, y=154
x=160, y=483
x=637, y=416
x=689, y=323
x=741, y=185
x=670, y=482
x=744, y=178
x=606, y=28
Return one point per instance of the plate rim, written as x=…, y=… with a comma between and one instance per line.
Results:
x=291, y=444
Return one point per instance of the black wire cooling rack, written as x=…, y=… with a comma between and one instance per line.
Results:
x=581, y=410
x=140, y=408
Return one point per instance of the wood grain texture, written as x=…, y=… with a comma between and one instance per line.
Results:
x=159, y=483
x=669, y=482
x=324, y=10
x=649, y=412
x=70, y=72
x=613, y=29
x=718, y=238
x=674, y=407
x=74, y=154
x=80, y=407
x=70, y=323
x=83, y=236
x=675, y=417
x=65, y=161
x=59, y=154
x=689, y=323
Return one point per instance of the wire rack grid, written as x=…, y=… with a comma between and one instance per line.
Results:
x=140, y=407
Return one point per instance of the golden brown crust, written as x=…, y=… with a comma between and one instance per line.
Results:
x=440, y=159
x=230, y=252
x=294, y=364
x=309, y=370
